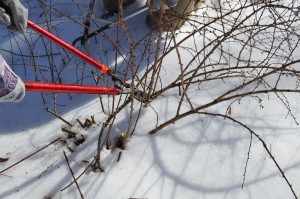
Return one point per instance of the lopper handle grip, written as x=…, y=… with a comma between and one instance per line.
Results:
x=104, y=69
x=69, y=88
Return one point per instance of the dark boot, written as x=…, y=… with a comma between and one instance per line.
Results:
x=110, y=5
x=175, y=17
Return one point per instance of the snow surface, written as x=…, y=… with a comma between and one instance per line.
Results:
x=199, y=156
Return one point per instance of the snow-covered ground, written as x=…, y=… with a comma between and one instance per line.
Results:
x=199, y=156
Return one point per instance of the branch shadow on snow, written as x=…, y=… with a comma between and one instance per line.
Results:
x=184, y=172
x=179, y=169
x=28, y=115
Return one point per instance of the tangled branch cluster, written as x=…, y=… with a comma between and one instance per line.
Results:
x=249, y=47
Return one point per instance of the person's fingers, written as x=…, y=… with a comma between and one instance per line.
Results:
x=4, y=17
x=20, y=16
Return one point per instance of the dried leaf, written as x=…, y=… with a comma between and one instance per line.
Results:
x=89, y=121
x=228, y=112
x=3, y=159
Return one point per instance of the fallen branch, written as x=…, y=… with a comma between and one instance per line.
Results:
x=30, y=155
x=89, y=166
x=70, y=132
x=58, y=116
x=73, y=175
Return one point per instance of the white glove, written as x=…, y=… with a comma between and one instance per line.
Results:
x=13, y=14
x=155, y=4
x=12, y=88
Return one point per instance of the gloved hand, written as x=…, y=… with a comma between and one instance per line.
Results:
x=12, y=88
x=13, y=14
x=155, y=4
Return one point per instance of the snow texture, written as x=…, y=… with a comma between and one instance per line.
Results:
x=199, y=156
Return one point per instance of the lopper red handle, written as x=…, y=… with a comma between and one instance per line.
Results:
x=104, y=69
x=69, y=88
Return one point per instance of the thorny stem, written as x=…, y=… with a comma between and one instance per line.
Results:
x=248, y=157
x=260, y=139
x=188, y=76
x=223, y=97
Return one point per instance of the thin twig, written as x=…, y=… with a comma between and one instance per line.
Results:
x=88, y=167
x=73, y=175
x=247, y=161
x=30, y=155
x=58, y=116
x=260, y=139
x=78, y=120
x=70, y=132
